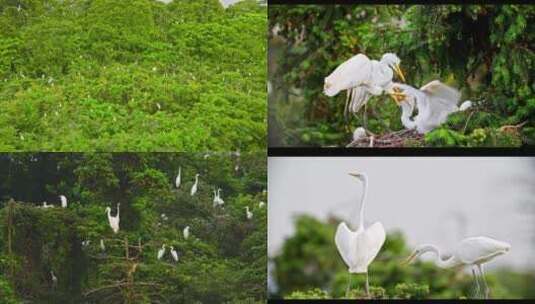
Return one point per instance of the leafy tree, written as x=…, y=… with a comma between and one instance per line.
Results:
x=483, y=50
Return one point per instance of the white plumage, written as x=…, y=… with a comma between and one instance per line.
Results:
x=63, y=201
x=362, y=78
x=359, y=248
x=161, y=252
x=248, y=213
x=194, y=187
x=177, y=180
x=185, y=232
x=113, y=220
x=174, y=254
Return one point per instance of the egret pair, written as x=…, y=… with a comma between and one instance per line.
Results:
x=359, y=248
x=161, y=252
x=363, y=78
x=195, y=185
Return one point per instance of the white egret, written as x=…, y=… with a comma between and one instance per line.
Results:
x=194, y=187
x=472, y=251
x=359, y=248
x=216, y=200
x=435, y=101
x=63, y=201
x=174, y=254
x=113, y=220
x=54, y=279
x=220, y=201
x=185, y=232
x=177, y=180
x=102, y=247
x=248, y=213
x=362, y=77
x=261, y=205
x=86, y=243
x=161, y=252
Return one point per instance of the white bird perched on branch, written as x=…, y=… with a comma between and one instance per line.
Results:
x=359, y=248
x=177, y=180
x=220, y=201
x=174, y=254
x=102, y=247
x=248, y=213
x=472, y=251
x=435, y=101
x=362, y=78
x=113, y=220
x=261, y=205
x=161, y=252
x=63, y=201
x=185, y=232
x=194, y=187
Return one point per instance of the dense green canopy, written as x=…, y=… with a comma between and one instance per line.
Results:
x=223, y=261
x=132, y=75
x=486, y=51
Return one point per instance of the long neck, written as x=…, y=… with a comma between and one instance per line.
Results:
x=363, y=200
x=447, y=263
x=196, y=179
x=117, y=211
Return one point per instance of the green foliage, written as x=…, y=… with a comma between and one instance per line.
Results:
x=309, y=266
x=132, y=76
x=223, y=260
x=483, y=50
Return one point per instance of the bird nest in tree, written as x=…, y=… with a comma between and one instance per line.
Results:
x=403, y=138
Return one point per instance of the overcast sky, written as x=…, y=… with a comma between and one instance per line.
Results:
x=432, y=200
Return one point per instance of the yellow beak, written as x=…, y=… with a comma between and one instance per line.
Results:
x=399, y=72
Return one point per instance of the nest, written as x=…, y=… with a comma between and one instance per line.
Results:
x=389, y=140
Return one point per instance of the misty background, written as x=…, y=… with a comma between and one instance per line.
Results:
x=431, y=200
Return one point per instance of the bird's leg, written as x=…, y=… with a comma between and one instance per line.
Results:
x=485, y=286
x=478, y=288
x=367, y=286
x=348, y=286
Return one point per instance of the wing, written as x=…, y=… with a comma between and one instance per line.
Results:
x=473, y=249
x=438, y=91
x=345, y=243
x=351, y=73
x=357, y=97
x=374, y=239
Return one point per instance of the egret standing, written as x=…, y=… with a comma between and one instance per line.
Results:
x=185, y=232
x=194, y=188
x=359, y=248
x=248, y=213
x=174, y=254
x=161, y=252
x=113, y=220
x=472, y=251
x=63, y=201
x=177, y=180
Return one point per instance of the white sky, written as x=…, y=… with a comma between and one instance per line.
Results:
x=426, y=198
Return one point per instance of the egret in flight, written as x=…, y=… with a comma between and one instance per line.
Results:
x=472, y=251
x=362, y=78
x=185, y=232
x=194, y=187
x=174, y=254
x=113, y=220
x=359, y=248
x=177, y=180
x=435, y=101
x=63, y=201
x=161, y=252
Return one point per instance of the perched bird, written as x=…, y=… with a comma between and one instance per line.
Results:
x=220, y=201
x=472, y=251
x=359, y=248
x=185, y=232
x=86, y=243
x=174, y=254
x=362, y=78
x=248, y=213
x=113, y=220
x=63, y=201
x=54, y=279
x=261, y=205
x=177, y=180
x=161, y=252
x=435, y=101
x=194, y=187
x=102, y=247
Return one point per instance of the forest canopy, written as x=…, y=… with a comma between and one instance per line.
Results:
x=71, y=255
x=132, y=75
x=485, y=51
